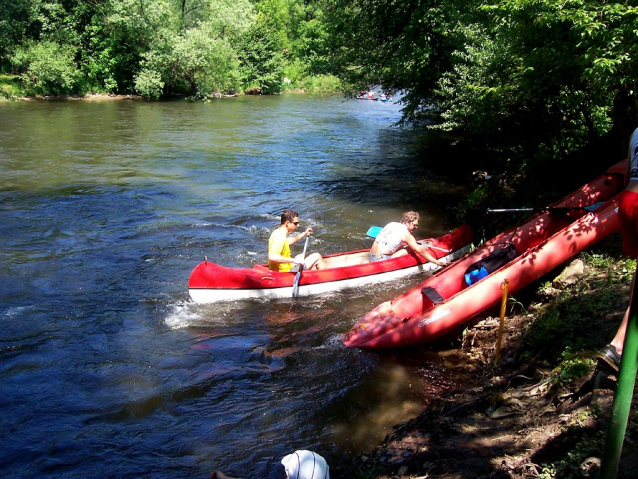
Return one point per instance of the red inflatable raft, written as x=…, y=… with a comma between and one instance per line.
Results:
x=443, y=302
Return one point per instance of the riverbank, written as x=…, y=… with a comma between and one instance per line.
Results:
x=11, y=90
x=541, y=409
x=97, y=97
x=8, y=94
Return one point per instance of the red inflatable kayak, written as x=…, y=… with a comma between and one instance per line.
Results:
x=446, y=300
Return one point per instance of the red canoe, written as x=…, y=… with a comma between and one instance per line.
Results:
x=210, y=282
x=443, y=302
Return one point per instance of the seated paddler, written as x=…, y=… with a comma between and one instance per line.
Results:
x=279, y=256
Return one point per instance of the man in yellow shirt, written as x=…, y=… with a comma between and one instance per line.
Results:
x=279, y=258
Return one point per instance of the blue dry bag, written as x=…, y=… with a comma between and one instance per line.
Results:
x=497, y=258
x=475, y=275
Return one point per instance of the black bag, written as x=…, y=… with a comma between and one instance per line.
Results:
x=490, y=263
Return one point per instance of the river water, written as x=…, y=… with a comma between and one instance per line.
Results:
x=107, y=369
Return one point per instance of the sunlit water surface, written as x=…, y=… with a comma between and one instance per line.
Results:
x=107, y=369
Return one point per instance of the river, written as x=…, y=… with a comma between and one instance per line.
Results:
x=107, y=369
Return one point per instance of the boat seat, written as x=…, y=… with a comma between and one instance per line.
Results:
x=432, y=294
x=347, y=260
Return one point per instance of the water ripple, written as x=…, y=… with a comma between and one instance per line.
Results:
x=105, y=208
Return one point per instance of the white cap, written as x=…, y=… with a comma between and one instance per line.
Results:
x=305, y=465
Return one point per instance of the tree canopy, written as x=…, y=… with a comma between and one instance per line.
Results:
x=157, y=48
x=532, y=78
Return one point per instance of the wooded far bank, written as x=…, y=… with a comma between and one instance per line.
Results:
x=542, y=85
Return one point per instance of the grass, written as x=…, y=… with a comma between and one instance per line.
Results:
x=575, y=463
x=573, y=319
x=10, y=87
x=319, y=85
x=568, y=331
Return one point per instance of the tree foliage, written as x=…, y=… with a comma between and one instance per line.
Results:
x=156, y=48
x=262, y=58
x=49, y=68
x=403, y=45
x=14, y=21
x=530, y=78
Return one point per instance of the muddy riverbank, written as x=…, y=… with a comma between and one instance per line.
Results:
x=541, y=409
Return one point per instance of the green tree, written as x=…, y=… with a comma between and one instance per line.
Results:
x=607, y=50
x=46, y=45
x=262, y=57
x=309, y=35
x=110, y=46
x=200, y=60
x=209, y=66
x=159, y=47
x=562, y=72
x=401, y=45
x=144, y=33
x=14, y=22
x=538, y=80
x=191, y=11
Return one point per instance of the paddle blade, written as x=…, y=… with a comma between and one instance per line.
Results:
x=295, y=286
x=374, y=231
x=595, y=206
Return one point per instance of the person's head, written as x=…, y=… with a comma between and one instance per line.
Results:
x=290, y=219
x=305, y=465
x=411, y=219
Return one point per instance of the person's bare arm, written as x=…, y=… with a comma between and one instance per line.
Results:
x=422, y=250
x=293, y=239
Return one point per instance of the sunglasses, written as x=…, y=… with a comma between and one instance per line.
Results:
x=296, y=223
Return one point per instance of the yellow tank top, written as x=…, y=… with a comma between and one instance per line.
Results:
x=278, y=244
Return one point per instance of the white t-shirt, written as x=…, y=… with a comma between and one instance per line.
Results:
x=390, y=236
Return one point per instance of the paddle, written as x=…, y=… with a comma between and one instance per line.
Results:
x=295, y=284
x=549, y=208
x=374, y=231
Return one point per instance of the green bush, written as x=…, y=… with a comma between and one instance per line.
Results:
x=320, y=85
x=262, y=62
x=149, y=83
x=207, y=64
x=48, y=68
x=294, y=73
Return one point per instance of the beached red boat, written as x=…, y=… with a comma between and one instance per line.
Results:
x=444, y=302
x=210, y=282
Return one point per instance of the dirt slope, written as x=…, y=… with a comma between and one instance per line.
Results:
x=541, y=410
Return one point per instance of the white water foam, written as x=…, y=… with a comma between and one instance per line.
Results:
x=182, y=315
x=18, y=310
